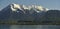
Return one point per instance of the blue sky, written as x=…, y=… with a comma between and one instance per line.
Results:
x=45, y=3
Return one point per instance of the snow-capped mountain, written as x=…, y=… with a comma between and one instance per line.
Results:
x=16, y=12
x=15, y=7
x=22, y=12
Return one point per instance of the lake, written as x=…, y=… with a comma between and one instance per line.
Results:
x=29, y=26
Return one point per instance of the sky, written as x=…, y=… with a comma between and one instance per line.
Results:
x=51, y=4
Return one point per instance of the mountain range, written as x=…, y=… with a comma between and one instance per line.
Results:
x=35, y=13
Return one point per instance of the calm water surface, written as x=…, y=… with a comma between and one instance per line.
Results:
x=29, y=26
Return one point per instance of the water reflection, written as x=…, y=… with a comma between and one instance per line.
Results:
x=30, y=26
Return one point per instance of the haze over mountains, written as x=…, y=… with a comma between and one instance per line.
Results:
x=28, y=13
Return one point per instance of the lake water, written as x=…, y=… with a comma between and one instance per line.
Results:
x=29, y=26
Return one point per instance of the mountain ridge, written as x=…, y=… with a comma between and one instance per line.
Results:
x=16, y=13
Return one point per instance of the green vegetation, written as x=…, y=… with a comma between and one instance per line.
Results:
x=31, y=23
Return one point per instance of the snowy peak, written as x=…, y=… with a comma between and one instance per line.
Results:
x=25, y=7
x=31, y=9
x=14, y=7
